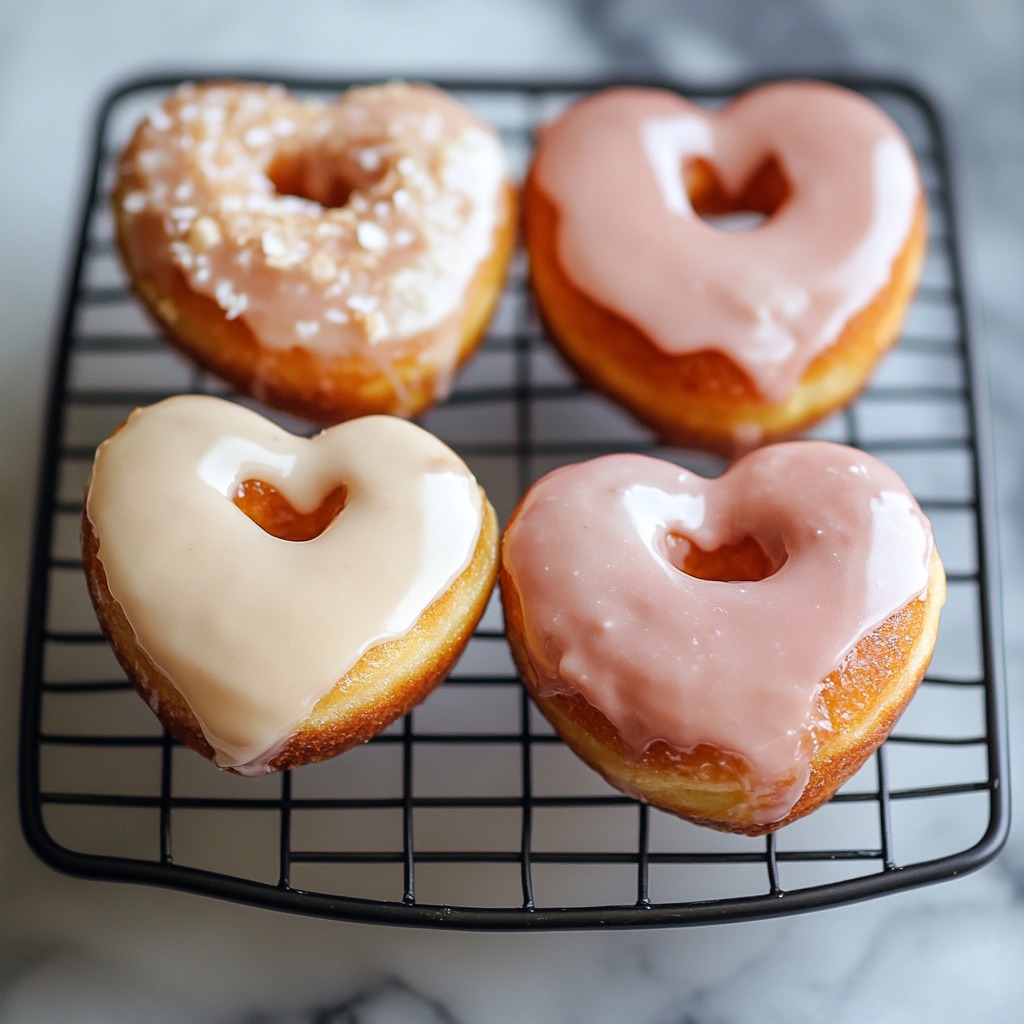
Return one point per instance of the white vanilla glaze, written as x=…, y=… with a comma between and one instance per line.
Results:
x=594, y=554
x=251, y=629
x=427, y=180
x=772, y=297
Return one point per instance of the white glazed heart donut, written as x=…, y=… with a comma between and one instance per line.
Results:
x=256, y=649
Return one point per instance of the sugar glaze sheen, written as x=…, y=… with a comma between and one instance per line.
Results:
x=725, y=339
x=619, y=601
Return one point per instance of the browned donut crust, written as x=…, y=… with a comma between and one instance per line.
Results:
x=383, y=685
x=862, y=700
x=703, y=399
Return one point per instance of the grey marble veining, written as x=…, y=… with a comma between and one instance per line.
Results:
x=85, y=951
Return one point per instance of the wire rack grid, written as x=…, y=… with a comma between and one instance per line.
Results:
x=470, y=813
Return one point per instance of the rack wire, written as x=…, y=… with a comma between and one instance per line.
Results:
x=470, y=813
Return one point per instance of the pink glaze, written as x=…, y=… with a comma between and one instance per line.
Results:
x=770, y=298
x=738, y=665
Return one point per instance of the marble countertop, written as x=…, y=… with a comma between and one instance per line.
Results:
x=88, y=951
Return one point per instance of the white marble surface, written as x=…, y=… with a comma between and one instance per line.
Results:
x=85, y=951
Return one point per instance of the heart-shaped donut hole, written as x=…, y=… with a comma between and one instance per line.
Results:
x=763, y=194
x=270, y=510
x=321, y=176
x=744, y=561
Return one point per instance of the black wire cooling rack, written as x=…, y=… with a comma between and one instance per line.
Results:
x=470, y=813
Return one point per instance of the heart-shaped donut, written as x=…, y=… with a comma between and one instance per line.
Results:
x=264, y=652
x=728, y=649
x=332, y=259
x=725, y=336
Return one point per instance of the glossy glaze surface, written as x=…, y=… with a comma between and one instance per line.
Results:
x=596, y=553
x=250, y=628
x=771, y=297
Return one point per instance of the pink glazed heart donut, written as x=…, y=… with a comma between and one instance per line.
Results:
x=725, y=339
x=729, y=650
